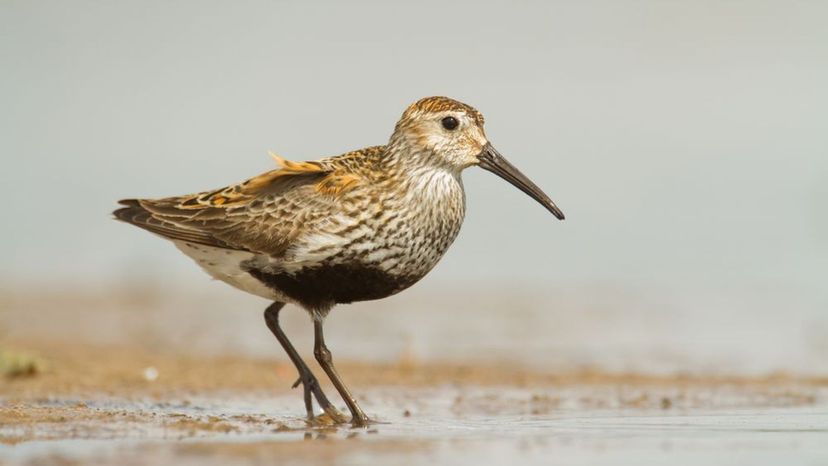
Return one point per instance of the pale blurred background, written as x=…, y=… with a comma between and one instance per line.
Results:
x=687, y=143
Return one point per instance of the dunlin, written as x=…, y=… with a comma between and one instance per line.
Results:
x=359, y=226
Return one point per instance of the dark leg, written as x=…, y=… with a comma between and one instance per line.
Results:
x=323, y=355
x=309, y=382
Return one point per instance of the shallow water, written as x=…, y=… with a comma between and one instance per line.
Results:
x=446, y=425
x=224, y=411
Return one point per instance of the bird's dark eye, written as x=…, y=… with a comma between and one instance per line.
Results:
x=450, y=123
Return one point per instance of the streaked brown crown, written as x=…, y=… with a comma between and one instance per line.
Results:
x=439, y=104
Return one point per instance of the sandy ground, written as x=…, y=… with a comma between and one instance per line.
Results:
x=147, y=376
x=87, y=404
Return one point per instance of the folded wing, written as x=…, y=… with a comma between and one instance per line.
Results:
x=263, y=214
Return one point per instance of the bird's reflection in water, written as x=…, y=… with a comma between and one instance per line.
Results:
x=329, y=432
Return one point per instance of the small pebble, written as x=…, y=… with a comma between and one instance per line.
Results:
x=150, y=374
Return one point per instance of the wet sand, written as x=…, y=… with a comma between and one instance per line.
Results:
x=88, y=404
x=147, y=376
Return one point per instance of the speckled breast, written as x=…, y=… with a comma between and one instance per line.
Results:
x=395, y=247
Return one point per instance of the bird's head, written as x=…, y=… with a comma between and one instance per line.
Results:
x=444, y=132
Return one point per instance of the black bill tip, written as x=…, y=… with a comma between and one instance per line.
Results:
x=491, y=160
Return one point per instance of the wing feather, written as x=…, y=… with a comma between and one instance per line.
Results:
x=262, y=214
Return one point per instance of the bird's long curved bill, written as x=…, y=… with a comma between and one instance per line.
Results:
x=491, y=160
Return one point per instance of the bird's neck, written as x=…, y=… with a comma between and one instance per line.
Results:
x=402, y=155
x=427, y=189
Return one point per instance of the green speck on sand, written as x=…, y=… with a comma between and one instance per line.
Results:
x=17, y=364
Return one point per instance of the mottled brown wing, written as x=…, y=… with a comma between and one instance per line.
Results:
x=137, y=214
x=263, y=214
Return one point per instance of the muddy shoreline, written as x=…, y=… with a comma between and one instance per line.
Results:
x=87, y=391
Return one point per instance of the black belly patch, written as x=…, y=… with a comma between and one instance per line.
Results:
x=319, y=288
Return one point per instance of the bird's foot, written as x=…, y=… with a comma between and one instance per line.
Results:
x=361, y=420
x=310, y=386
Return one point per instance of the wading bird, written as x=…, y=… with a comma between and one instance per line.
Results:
x=359, y=226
